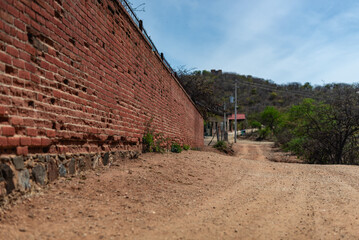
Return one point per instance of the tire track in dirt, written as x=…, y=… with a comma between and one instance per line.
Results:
x=253, y=150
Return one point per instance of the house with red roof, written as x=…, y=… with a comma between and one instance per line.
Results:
x=240, y=117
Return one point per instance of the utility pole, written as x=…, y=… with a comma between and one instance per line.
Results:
x=224, y=121
x=235, y=112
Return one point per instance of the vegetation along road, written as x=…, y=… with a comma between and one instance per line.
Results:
x=195, y=195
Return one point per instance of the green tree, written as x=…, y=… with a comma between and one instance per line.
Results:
x=270, y=118
x=327, y=132
x=307, y=86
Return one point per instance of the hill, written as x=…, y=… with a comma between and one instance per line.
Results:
x=210, y=90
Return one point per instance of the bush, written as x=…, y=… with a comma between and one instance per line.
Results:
x=159, y=143
x=186, y=147
x=153, y=142
x=220, y=145
x=324, y=132
x=224, y=147
x=295, y=145
x=148, y=142
x=176, y=148
x=263, y=133
x=256, y=124
x=270, y=118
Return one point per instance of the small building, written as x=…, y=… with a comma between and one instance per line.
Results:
x=213, y=125
x=240, y=118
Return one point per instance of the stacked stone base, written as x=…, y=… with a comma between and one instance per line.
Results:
x=22, y=173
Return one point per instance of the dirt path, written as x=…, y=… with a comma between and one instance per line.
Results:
x=195, y=195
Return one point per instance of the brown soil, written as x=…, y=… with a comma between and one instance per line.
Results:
x=195, y=195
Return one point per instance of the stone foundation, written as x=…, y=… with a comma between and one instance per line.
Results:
x=22, y=173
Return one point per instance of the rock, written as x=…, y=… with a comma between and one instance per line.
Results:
x=52, y=171
x=24, y=180
x=38, y=173
x=62, y=170
x=88, y=161
x=134, y=154
x=62, y=157
x=47, y=158
x=30, y=164
x=8, y=175
x=72, y=166
x=41, y=158
x=105, y=158
x=122, y=154
x=82, y=164
x=18, y=162
x=4, y=159
x=95, y=161
x=2, y=194
x=66, y=162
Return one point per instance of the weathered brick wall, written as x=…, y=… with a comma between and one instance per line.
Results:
x=78, y=76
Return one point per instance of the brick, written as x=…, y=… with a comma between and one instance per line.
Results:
x=8, y=131
x=12, y=51
x=6, y=38
x=16, y=121
x=51, y=133
x=25, y=56
x=45, y=65
x=45, y=142
x=13, y=11
x=19, y=45
x=35, y=141
x=3, y=141
x=30, y=12
x=30, y=49
x=63, y=149
x=22, y=36
x=20, y=24
x=35, y=7
x=35, y=78
x=25, y=141
x=30, y=67
x=20, y=6
x=22, y=150
x=31, y=132
x=5, y=58
x=6, y=17
x=57, y=93
x=3, y=110
x=24, y=74
x=13, y=141
x=19, y=63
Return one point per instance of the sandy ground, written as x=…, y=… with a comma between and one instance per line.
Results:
x=195, y=195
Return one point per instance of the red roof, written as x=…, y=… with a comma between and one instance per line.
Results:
x=240, y=116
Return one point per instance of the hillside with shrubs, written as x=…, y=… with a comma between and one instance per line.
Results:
x=320, y=124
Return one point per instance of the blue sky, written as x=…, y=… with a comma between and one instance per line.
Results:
x=313, y=41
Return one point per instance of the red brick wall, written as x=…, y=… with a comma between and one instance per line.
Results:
x=78, y=76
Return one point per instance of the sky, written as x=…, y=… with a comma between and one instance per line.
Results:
x=285, y=41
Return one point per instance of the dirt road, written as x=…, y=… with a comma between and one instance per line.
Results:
x=195, y=195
